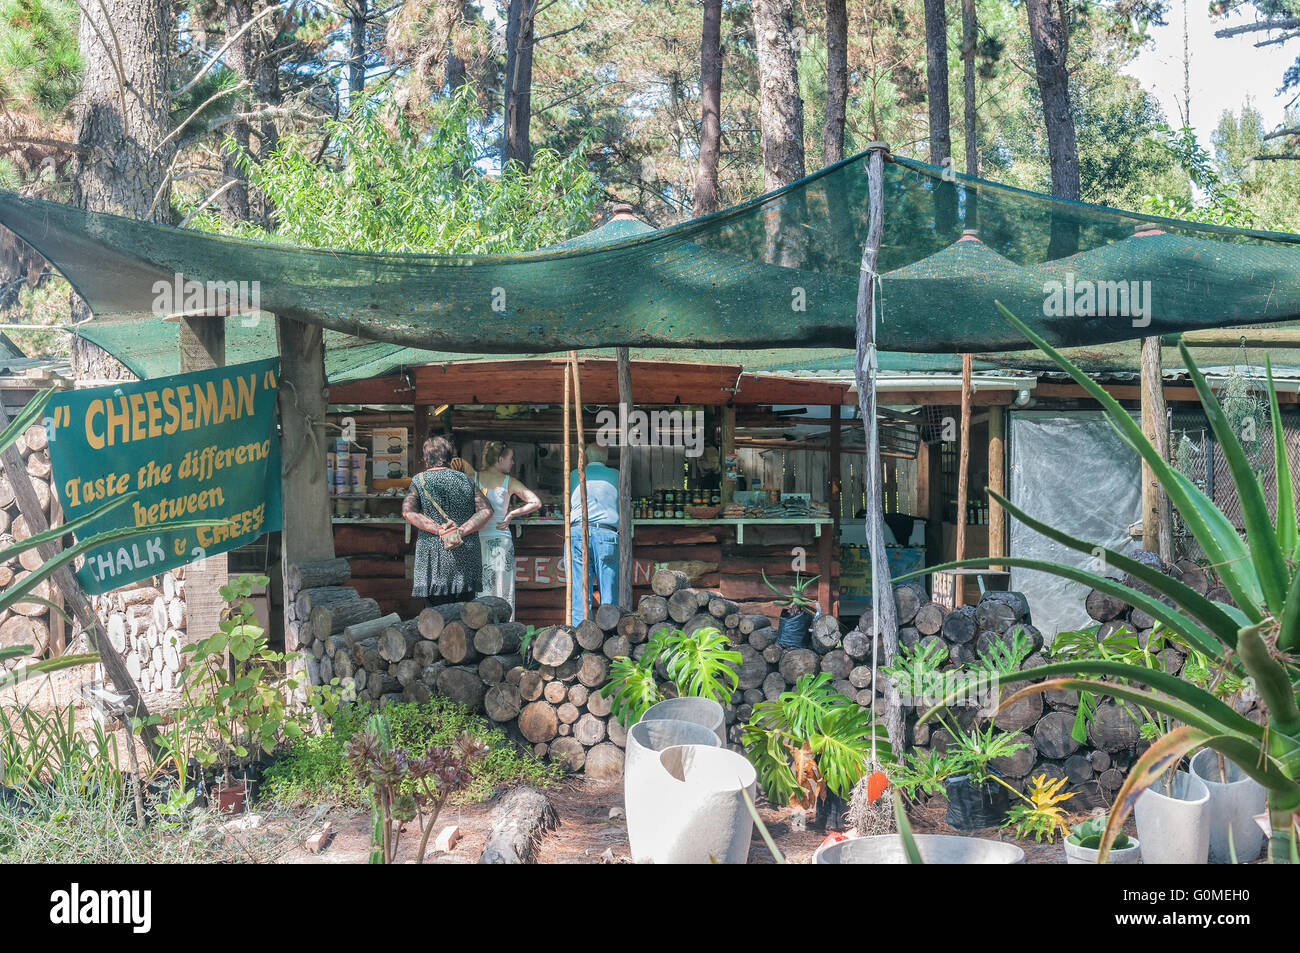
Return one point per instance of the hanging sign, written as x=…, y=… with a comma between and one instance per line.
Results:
x=200, y=446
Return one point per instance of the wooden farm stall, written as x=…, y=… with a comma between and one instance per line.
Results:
x=518, y=401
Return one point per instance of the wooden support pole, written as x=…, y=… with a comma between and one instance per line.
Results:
x=582, y=485
x=963, y=465
x=1157, y=531
x=728, y=492
x=29, y=505
x=884, y=613
x=566, y=541
x=830, y=535
x=625, y=562
x=997, y=482
x=202, y=342
x=308, y=528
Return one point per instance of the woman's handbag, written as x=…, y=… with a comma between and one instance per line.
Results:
x=450, y=538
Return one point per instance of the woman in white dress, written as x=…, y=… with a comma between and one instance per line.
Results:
x=498, y=546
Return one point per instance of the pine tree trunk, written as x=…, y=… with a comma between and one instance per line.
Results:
x=358, y=14
x=837, y=80
x=1048, y=34
x=780, y=107
x=969, y=37
x=124, y=42
x=705, y=197
x=936, y=80
x=518, y=82
x=780, y=116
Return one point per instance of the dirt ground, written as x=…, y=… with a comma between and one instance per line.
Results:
x=587, y=834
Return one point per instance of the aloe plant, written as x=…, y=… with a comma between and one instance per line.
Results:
x=794, y=597
x=1255, y=639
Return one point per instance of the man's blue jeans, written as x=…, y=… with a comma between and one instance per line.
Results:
x=603, y=544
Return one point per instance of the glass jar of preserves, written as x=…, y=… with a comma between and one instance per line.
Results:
x=679, y=512
x=669, y=497
x=715, y=498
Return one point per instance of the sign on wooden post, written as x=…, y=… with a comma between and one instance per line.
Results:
x=199, y=446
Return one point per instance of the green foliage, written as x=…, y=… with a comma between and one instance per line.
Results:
x=922, y=772
x=701, y=665
x=794, y=596
x=1254, y=640
x=405, y=784
x=631, y=688
x=1003, y=659
x=1089, y=834
x=246, y=703
x=39, y=61
x=387, y=186
x=44, y=747
x=315, y=769
x=1039, y=813
x=974, y=749
x=835, y=730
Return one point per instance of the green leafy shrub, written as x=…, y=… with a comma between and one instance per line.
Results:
x=316, y=769
x=699, y=663
x=810, y=721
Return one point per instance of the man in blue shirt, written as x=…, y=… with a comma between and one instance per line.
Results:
x=602, y=529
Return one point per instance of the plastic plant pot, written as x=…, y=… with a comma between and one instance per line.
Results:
x=642, y=770
x=792, y=628
x=1233, y=806
x=698, y=711
x=1132, y=854
x=934, y=848
x=231, y=798
x=1174, y=830
x=696, y=811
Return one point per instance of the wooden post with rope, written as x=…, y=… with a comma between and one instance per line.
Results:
x=565, y=542
x=963, y=479
x=884, y=615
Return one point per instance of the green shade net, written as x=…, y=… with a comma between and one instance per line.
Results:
x=778, y=272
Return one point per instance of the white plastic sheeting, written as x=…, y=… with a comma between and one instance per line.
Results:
x=1071, y=470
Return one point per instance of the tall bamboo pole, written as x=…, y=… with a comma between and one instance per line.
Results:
x=625, y=562
x=884, y=615
x=582, y=486
x=997, y=482
x=963, y=479
x=567, y=550
x=1157, y=530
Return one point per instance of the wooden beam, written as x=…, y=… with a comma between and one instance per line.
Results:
x=29, y=506
x=1228, y=337
x=1157, y=532
x=997, y=470
x=529, y=380
x=393, y=389
x=760, y=389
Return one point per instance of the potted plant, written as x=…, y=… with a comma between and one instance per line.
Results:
x=244, y=694
x=809, y=744
x=1083, y=845
x=797, y=612
x=1255, y=637
x=977, y=796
